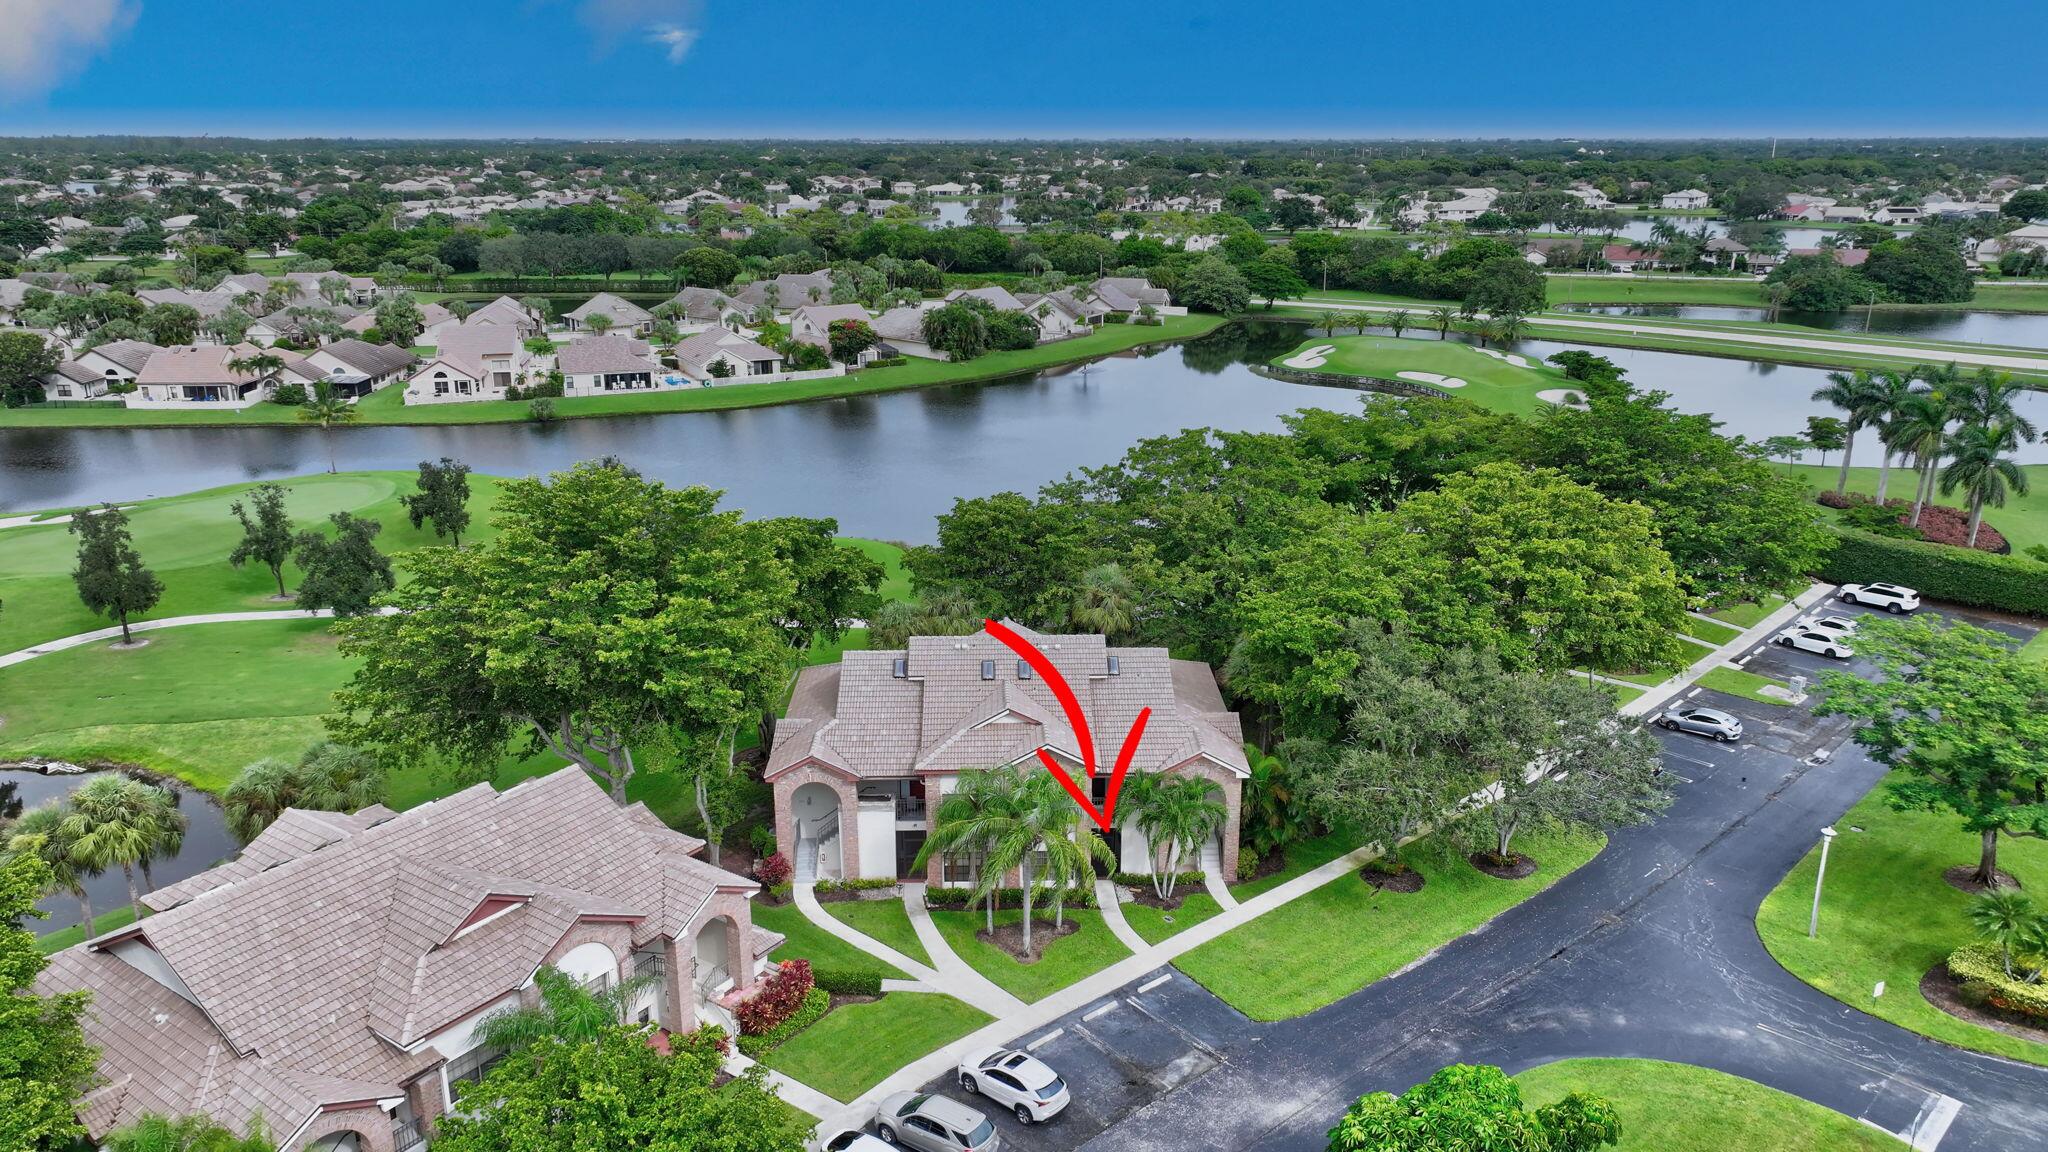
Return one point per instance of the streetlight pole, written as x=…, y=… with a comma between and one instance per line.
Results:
x=1827, y=837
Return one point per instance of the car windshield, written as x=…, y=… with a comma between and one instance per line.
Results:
x=913, y=1104
x=980, y=1135
x=1053, y=1089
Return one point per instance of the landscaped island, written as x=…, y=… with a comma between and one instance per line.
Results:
x=1502, y=381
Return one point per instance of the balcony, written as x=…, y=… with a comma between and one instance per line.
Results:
x=407, y=1136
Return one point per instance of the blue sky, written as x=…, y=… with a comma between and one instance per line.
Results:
x=696, y=68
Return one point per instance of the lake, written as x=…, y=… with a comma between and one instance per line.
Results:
x=207, y=840
x=2016, y=329
x=884, y=466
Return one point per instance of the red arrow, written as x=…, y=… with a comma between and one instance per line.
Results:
x=1105, y=816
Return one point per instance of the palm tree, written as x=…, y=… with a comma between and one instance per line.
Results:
x=1509, y=325
x=1987, y=398
x=1982, y=469
x=567, y=1011
x=156, y=1133
x=1269, y=819
x=2006, y=917
x=1442, y=317
x=326, y=407
x=1397, y=321
x=1330, y=321
x=1176, y=816
x=259, y=364
x=970, y=820
x=115, y=820
x=1072, y=854
x=598, y=322
x=1104, y=602
x=1857, y=397
x=40, y=832
x=1917, y=430
x=1892, y=391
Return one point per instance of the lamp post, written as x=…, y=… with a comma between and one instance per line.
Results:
x=1827, y=837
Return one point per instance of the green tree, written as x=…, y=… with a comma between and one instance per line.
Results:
x=617, y=1091
x=1177, y=816
x=1467, y=1108
x=2008, y=919
x=345, y=572
x=40, y=832
x=326, y=407
x=1825, y=434
x=328, y=777
x=831, y=583
x=1104, y=602
x=1983, y=470
x=442, y=498
x=1271, y=279
x=114, y=821
x=199, y=1133
x=1441, y=318
x=1505, y=284
x=1784, y=448
x=1857, y=396
x=1213, y=284
x=25, y=358
x=266, y=536
x=708, y=267
x=1270, y=818
x=959, y=329
x=169, y=324
x=111, y=578
x=849, y=338
x=970, y=821
x=401, y=321
x=607, y=609
x=45, y=1063
x=1961, y=717
x=566, y=1011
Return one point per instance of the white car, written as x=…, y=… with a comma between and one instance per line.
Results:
x=853, y=1140
x=1840, y=626
x=1890, y=597
x=1813, y=640
x=1017, y=1080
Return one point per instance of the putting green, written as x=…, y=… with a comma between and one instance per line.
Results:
x=1489, y=379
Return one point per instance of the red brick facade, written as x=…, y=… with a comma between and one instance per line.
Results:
x=849, y=812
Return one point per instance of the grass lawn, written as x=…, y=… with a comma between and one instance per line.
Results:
x=1344, y=935
x=884, y=920
x=388, y=406
x=1060, y=962
x=1740, y=682
x=2023, y=520
x=1681, y=1108
x=1747, y=614
x=1302, y=856
x=1490, y=383
x=1659, y=290
x=1623, y=694
x=64, y=938
x=2037, y=648
x=1887, y=914
x=857, y=1045
x=1150, y=923
x=895, y=579
x=810, y=942
x=1707, y=630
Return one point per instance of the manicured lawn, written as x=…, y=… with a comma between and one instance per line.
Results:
x=1150, y=923
x=388, y=406
x=2037, y=648
x=1622, y=694
x=1740, y=682
x=1060, y=962
x=1302, y=856
x=884, y=920
x=1661, y=290
x=1682, y=1108
x=1712, y=633
x=64, y=938
x=2023, y=520
x=857, y=1045
x=1489, y=382
x=810, y=942
x=896, y=581
x=1887, y=914
x=1747, y=614
x=1344, y=935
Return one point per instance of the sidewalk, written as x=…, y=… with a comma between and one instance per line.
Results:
x=954, y=977
x=114, y=633
x=1112, y=910
x=1799, y=605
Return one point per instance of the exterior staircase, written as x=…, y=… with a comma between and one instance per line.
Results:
x=1212, y=860
x=806, y=861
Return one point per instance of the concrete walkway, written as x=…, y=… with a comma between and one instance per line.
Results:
x=794, y=1092
x=1787, y=612
x=807, y=903
x=1220, y=890
x=1112, y=910
x=114, y=633
x=954, y=976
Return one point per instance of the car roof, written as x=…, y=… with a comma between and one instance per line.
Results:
x=1027, y=1068
x=1711, y=713
x=1883, y=587
x=951, y=1113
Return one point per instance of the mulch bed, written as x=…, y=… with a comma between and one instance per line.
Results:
x=1517, y=867
x=1962, y=878
x=1941, y=990
x=1408, y=881
x=1150, y=899
x=1010, y=938
x=841, y=1000
x=1270, y=863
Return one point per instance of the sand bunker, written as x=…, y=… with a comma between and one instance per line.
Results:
x=1432, y=379
x=1506, y=357
x=1310, y=357
x=1569, y=397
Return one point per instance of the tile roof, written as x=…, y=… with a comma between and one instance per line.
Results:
x=943, y=716
x=604, y=355
x=622, y=311
x=369, y=359
x=129, y=354
x=792, y=290
x=202, y=364
x=466, y=347
x=503, y=310
x=706, y=303
x=297, y=974
x=696, y=351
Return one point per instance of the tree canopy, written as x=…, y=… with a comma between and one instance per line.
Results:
x=45, y=1063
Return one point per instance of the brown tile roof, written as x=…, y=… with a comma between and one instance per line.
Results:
x=464, y=348
x=861, y=719
x=291, y=971
x=605, y=354
x=369, y=359
x=129, y=354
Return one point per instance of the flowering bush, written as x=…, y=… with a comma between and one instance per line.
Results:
x=781, y=995
x=773, y=870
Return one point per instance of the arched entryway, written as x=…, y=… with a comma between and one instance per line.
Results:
x=820, y=844
x=717, y=965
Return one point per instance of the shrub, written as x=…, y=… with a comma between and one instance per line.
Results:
x=542, y=411
x=2038, y=552
x=889, y=362
x=288, y=393
x=781, y=996
x=1008, y=898
x=814, y=1004
x=774, y=870
x=1116, y=318
x=1981, y=975
x=1976, y=579
x=848, y=981
x=1144, y=879
x=1247, y=867
x=855, y=884
x=762, y=838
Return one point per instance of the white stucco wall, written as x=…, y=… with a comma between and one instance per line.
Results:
x=878, y=839
x=1136, y=854
x=588, y=961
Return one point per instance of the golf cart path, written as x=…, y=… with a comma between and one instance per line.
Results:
x=98, y=634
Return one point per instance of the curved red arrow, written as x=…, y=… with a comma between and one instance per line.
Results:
x=1104, y=816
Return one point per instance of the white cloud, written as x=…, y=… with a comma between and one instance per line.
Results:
x=670, y=24
x=46, y=39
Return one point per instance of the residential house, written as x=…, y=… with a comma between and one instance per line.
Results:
x=1897, y=214
x=1127, y=294
x=700, y=308
x=505, y=312
x=301, y=323
x=1054, y=323
x=329, y=979
x=207, y=304
x=625, y=315
x=1846, y=257
x=1627, y=257
x=596, y=365
x=118, y=361
x=1726, y=252
x=199, y=376
x=1688, y=199
x=812, y=324
x=1844, y=214
x=74, y=381
x=473, y=362
x=438, y=320
x=742, y=359
x=787, y=292
x=902, y=332
x=358, y=367
x=871, y=745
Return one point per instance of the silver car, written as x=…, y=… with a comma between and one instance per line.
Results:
x=1023, y=1083
x=934, y=1123
x=1704, y=721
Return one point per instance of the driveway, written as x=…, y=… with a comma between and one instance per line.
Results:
x=1649, y=951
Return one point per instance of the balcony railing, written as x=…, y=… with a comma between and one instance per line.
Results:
x=407, y=1136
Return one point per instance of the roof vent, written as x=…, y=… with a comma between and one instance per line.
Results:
x=988, y=669
x=1115, y=667
x=1023, y=669
x=900, y=667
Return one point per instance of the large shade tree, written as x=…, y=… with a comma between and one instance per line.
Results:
x=45, y=1063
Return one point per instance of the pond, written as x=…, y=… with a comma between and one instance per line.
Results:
x=953, y=213
x=2016, y=329
x=883, y=466
x=207, y=840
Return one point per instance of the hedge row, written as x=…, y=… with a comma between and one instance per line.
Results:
x=1957, y=575
x=817, y=1002
x=1146, y=879
x=855, y=884
x=1981, y=972
x=1008, y=897
x=848, y=981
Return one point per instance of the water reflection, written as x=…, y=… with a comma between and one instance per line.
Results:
x=207, y=840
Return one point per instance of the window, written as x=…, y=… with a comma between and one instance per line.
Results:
x=988, y=669
x=1023, y=669
x=440, y=387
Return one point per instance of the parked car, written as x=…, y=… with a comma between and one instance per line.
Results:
x=1840, y=626
x=934, y=1123
x=853, y=1140
x=1017, y=1080
x=1704, y=721
x=1890, y=597
x=1815, y=641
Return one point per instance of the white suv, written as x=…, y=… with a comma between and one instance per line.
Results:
x=1890, y=597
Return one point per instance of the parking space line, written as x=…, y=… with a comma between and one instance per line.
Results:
x=1042, y=1041
x=1162, y=978
x=1106, y=1008
x=1927, y=1129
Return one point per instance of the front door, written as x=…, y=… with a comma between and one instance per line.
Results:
x=908, y=845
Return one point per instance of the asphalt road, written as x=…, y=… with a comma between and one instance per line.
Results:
x=1649, y=951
